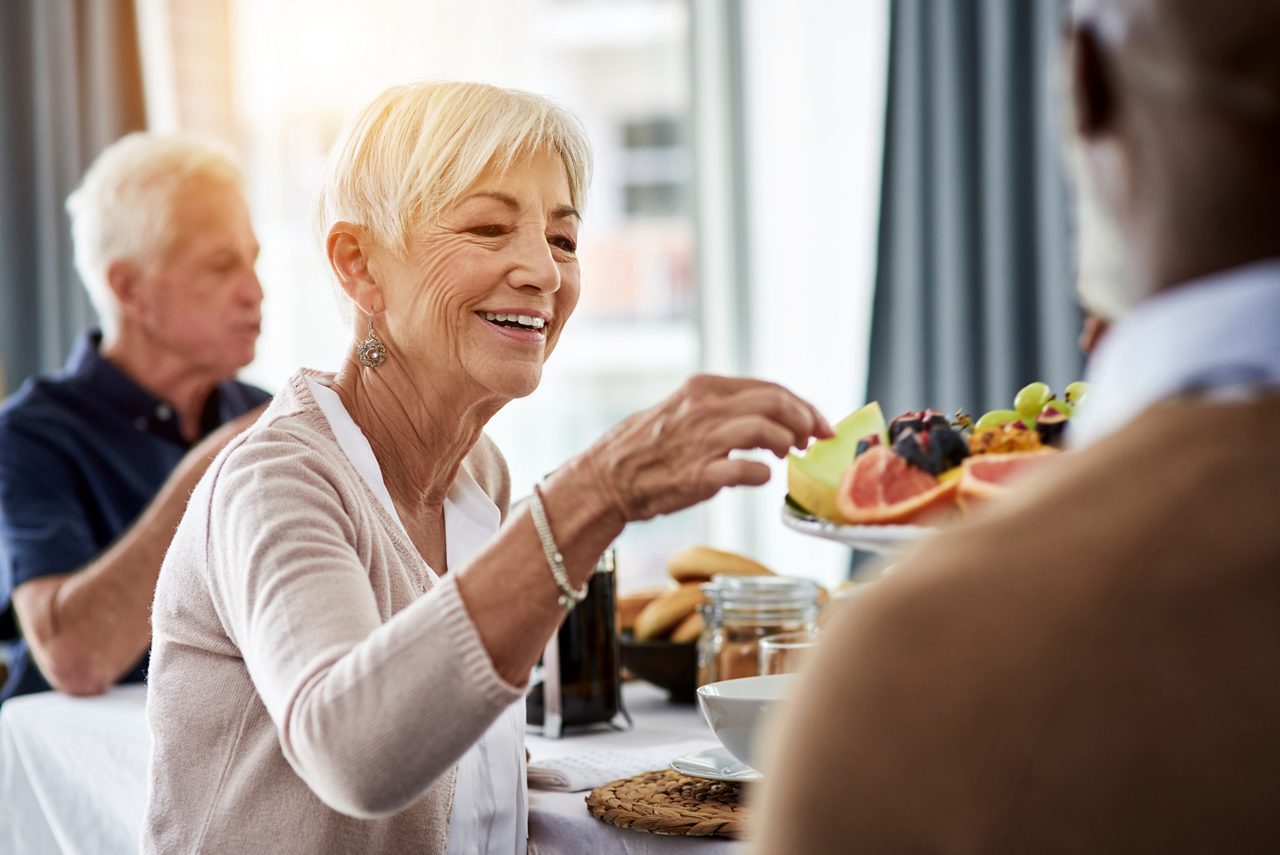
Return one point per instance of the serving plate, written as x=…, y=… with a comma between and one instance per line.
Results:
x=714, y=764
x=883, y=539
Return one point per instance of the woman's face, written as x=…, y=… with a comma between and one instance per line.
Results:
x=485, y=291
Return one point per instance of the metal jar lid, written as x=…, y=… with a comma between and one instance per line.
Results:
x=761, y=597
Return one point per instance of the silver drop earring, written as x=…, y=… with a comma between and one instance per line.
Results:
x=371, y=352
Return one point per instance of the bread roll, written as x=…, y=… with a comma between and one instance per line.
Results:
x=666, y=612
x=690, y=629
x=630, y=606
x=699, y=563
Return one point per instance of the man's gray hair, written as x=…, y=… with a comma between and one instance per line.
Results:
x=123, y=208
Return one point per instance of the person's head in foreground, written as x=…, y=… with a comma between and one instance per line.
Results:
x=1086, y=667
x=344, y=626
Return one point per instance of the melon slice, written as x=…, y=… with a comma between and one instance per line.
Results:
x=814, y=476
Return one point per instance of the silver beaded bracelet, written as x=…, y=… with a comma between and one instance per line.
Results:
x=568, y=596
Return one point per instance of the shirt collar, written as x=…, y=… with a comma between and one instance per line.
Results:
x=143, y=409
x=1220, y=332
x=87, y=363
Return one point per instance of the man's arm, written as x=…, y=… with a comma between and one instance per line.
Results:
x=87, y=628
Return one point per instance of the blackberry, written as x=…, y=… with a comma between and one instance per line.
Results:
x=905, y=423
x=914, y=447
x=911, y=422
x=934, y=451
x=947, y=447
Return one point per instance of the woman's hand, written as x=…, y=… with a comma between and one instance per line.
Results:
x=660, y=460
x=677, y=453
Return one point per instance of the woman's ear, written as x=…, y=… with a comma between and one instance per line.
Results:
x=348, y=247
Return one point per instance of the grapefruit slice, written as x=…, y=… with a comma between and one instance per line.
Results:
x=881, y=488
x=988, y=476
x=814, y=477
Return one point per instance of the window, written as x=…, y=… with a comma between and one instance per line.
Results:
x=657, y=168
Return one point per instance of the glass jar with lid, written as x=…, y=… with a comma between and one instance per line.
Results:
x=738, y=611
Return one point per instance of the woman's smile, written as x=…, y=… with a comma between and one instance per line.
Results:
x=527, y=325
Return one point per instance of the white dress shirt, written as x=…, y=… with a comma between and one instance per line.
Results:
x=1218, y=336
x=490, y=801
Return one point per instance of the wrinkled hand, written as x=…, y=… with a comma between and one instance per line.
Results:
x=677, y=453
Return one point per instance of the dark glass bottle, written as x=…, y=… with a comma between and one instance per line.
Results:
x=580, y=684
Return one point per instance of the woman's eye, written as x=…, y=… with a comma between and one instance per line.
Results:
x=564, y=243
x=490, y=231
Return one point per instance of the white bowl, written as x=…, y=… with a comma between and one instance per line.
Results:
x=735, y=708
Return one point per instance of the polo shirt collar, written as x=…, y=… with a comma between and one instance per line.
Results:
x=1216, y=336
x=144, y=410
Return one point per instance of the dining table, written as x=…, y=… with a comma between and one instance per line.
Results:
x=73, y=775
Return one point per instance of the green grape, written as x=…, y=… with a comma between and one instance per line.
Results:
x=995, y=418
x=1031, y=399
x=1061, y=406
x=1076, y=392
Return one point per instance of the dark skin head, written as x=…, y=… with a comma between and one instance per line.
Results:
x=1177, y=106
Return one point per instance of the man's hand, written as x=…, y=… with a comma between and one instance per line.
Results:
x=87, y=628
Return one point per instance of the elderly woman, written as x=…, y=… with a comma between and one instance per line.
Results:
x=344, y=624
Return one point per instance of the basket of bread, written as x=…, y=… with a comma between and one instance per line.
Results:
x=660, y=627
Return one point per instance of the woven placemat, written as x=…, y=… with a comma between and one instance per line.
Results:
x=666, y=802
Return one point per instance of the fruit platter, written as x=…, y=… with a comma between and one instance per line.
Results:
x=881, y=486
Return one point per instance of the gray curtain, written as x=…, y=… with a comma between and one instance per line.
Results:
x=974, y=293
x=70, y=84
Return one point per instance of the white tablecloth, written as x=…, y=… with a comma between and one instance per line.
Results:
x=73, y=777
x=73, y=772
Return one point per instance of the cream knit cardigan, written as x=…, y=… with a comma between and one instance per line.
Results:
x=310, y=691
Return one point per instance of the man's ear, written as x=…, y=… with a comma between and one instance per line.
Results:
x=124, y=278
x=1092, y=86
x=348, y=248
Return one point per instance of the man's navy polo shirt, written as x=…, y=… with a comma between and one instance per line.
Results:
x=82, y=453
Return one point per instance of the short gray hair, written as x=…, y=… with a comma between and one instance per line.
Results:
x=123, y=208
x=418, y=146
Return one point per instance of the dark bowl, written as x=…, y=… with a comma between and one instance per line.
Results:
x=667, y=664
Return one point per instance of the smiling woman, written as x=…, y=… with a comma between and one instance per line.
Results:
x=343, y=576
x=506, y=250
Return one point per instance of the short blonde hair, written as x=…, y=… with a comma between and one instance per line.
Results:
x=123, y=208
x=419, y=146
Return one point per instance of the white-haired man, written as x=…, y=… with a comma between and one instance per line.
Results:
x=97, y=460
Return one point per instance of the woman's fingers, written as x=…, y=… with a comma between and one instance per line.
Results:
x=750, y=432
x=736, y=472
x=823, y=428
x=647, y=460
x=711, y=386
x=781, y=406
